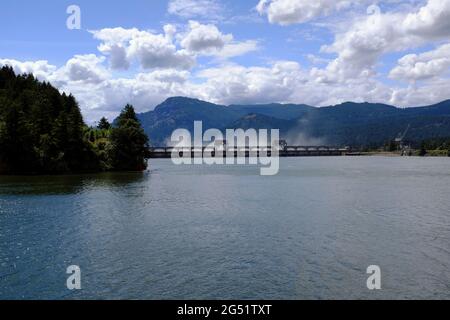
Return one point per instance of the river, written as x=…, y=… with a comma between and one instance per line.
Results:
x=225, y=232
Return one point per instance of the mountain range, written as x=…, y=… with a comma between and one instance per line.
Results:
x=350, y=124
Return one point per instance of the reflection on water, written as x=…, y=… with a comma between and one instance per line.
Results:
x=67, y=184
x=227, y=233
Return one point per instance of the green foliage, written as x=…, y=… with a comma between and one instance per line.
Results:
x=391, y=146
x=359, y=125
x=98, y=140
x=42, y=131
x=437, y=144
x=435, y=147
x=129, y=142
x=423, y=150
x=104, y=124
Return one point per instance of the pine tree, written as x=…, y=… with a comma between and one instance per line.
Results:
x=129, y=142
x=104, y=124
x=41, y=130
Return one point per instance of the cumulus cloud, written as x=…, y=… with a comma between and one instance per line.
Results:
x=161, y=64
x=286, y=12
x=81, y=68
x=430, y=92
x=361, y=46
x=40, y=69
x=284, y=81
x=431, y=21
x=204, y=38
x=207, y=9
x=413, y=67
x=85, y=68
x=168, y=50
x=82, y=75
x=152, y=51
x=281, y=81
x=156, y=51
x=207, y=39
x=144, y=91
x=238, y=84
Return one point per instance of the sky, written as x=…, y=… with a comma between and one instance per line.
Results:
x=316, y=52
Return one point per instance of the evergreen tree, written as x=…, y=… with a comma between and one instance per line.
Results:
x=41, y=130
x=104, y=124
x=129, y=142
x=423, y=151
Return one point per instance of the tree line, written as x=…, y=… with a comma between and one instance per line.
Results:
x=42, y=132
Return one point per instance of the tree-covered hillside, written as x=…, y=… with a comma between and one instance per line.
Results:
x=347, y=124
x=42, y=131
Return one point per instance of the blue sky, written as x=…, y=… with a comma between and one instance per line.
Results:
x=319, y=52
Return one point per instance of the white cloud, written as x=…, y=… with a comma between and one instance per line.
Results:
x=238, y=49
x=431, y=21
x=413, y=67
x=166, y=63
x=170, y=31
x=238, y=84
x=168, y=50
x=282, y=81
x=157, y=51
x=40, y=69
x=118, y=55
x=207, y=39
x=204, y=38
x=362, y=44
x=144, y=91
x=286, y=12
x=152, y=51
x=81, y=68
x=430, y=92
x=207, y=9
x=86, y=68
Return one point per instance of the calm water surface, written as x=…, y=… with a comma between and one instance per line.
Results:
x=228, y=233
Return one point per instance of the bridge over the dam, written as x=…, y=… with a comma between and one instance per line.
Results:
x=287, y=151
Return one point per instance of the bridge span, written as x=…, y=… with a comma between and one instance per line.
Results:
x=287, y=151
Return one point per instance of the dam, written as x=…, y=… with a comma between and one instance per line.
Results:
x=286, y=151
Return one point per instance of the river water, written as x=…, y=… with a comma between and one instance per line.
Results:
x=225, y=232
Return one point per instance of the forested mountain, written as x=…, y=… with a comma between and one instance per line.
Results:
x=260, y=121
x=42, y=131
x=354, y=124
x=274, y=110
x=362, y=125
x=181, y=112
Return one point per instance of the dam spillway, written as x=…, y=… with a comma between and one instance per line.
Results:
x=288, y=151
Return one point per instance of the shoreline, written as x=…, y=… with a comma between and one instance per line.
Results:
x=386, y=154
x=430, y=154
